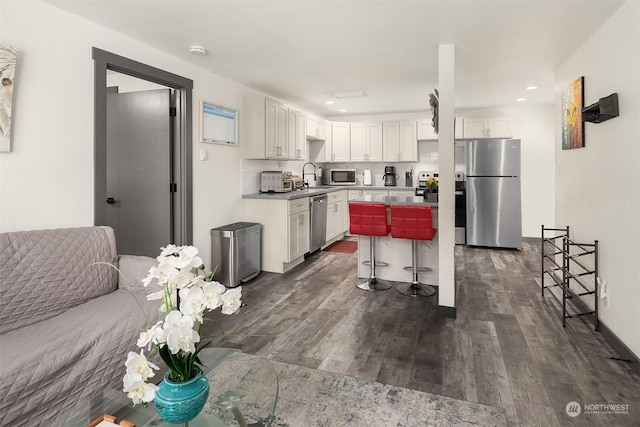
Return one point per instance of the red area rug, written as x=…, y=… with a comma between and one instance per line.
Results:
x=343, y=246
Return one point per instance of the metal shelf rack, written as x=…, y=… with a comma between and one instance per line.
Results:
x=561, y=261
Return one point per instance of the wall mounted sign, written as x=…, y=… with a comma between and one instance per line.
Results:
x=8, y=58
x=218, y=125
x=572, y=124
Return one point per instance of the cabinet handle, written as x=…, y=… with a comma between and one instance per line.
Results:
x=488, y=133
x=335, y=208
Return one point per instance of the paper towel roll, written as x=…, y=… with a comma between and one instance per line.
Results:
x=367, y=177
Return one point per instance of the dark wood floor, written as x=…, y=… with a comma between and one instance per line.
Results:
x=507, y=347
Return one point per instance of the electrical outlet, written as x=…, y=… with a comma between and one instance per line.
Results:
x=603, y=291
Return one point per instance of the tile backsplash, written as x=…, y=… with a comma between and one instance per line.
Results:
x=427, y=162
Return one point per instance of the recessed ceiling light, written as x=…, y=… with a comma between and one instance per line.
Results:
x=343, y=110
x=351, y=94
x=197, y=50
x=532, y=87
x=521, y=99
x=330, y=102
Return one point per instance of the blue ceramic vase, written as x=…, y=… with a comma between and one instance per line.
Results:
x=178, y=403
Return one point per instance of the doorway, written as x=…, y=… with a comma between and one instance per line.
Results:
x=143, y=166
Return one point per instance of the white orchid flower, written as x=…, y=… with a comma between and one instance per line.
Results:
x=183, y=338
x=154, y=335
x=231, y=300
x=212, y=292
x=168, y=250
x=192, y=302
x=138, y=364
x=184, y=278
x=140, y=392
x=186, y=258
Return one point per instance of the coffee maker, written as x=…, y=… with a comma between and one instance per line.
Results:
x=389, y=176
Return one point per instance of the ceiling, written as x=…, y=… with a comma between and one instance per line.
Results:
x=303, y=51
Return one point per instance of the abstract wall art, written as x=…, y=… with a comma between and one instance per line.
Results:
x=572, y=124
x=8, y=58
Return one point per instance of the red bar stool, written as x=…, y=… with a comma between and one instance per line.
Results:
x=415, y=223
x=370, y=219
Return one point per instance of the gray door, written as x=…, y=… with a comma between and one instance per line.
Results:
x=139, y=196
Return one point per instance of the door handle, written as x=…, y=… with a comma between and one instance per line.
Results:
x=111, y=201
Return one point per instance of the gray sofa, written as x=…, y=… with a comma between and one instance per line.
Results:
x=66, y=323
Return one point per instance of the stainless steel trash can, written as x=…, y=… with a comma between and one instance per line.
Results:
x=235, y=253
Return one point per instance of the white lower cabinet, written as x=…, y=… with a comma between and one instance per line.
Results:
x=337, y=214
x=285, y=231
x=298, y=233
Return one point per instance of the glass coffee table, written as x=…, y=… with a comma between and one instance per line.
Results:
x=243, y=392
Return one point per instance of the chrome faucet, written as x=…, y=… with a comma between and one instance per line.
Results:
x=303, y=174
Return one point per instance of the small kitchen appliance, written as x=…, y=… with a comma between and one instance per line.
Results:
x=339, y=177
x=276, y=182
x=366, y=179
x=389, y=176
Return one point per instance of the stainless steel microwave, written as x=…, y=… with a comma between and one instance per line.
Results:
x=340, y=177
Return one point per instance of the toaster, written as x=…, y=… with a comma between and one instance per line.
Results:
x=275, y=182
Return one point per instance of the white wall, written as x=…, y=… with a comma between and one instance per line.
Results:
x=534, y=125
x=598, y=187
x=47, y=181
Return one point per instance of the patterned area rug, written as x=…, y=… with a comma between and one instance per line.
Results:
x=310, y=397
x=343, y=246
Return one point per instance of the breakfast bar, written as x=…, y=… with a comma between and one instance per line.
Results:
x=397, y=252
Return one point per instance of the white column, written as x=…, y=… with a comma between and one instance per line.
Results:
x=446, y=169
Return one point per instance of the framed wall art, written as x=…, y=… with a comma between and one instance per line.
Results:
x=8, y=59
x=218, y=125
x=572, y=124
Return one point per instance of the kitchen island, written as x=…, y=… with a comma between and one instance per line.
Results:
x=397, y=252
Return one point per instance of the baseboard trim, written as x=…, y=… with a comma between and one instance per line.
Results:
x=445, y=311
x=625, y=353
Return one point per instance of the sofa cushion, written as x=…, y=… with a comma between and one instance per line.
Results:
x=45, y=272
x=47, y=368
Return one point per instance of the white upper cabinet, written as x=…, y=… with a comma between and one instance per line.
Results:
x=265, y=128
x=338, y=148
x=390, y=141
x=297, y=135
x=425, y=130
x=374, y=142
x=399, y=142
x=408, y=142
x=458, y=131
x=316, y=127
x=493, y=127
x=366, y=142
x=359, y=142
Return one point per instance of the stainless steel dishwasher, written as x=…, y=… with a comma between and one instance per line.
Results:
x=318, y=223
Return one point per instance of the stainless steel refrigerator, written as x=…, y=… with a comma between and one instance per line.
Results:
x=494, y=213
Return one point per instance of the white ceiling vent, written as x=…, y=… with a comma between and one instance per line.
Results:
x=351, y=94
